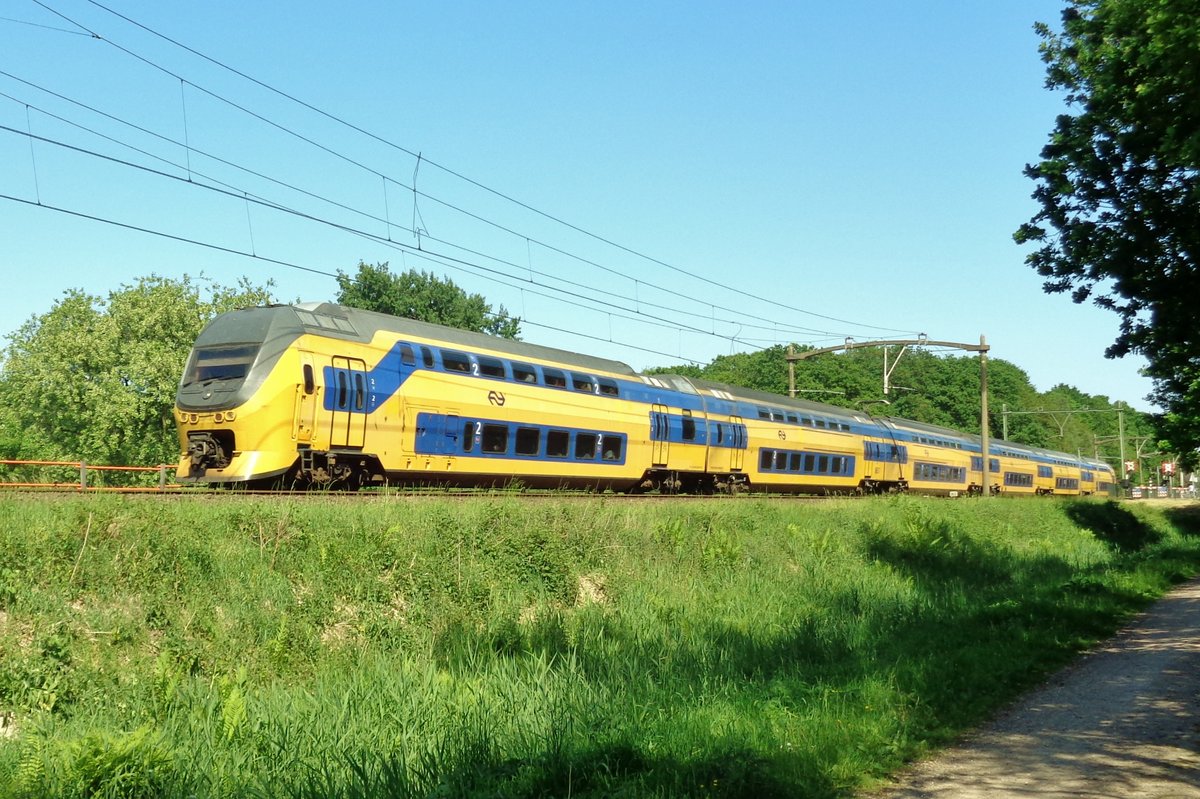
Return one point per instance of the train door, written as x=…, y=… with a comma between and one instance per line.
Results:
x=660, y=443
x=348, y=425
x=737, y=456
x=308, y=397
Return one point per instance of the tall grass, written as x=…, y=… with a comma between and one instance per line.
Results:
x=224, y=647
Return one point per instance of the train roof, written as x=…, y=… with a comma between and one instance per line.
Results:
x=776, y=400
x=334, y=319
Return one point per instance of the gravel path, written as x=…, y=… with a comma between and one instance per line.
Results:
x=1122, y=722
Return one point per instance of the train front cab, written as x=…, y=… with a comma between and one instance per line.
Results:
x=234, y=407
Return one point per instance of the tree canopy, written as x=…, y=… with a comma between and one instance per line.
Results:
x=95, y=379
x=1117, y=186
x=423, y=296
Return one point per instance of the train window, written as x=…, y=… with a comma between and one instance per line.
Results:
x=406, y=355
x=360, y=391
x=689, y=426
x=993, y=464
x=810, y=463
x=763, y=413
x=766, y=460
x=523, y=373
x=495, y=438
x=794, y=466
x=791, y=417
x=582, y=382
x=529, y=440
x=720, y=433
x=806, y=421
x=558, y=443
x=821, y=423
x=427, y=357
x=491, y=367
x=823, y=464
x=555, y=378
x=1045, y=471
x=608, y=386
x=222, y=363
x=468, y=437
x=836, y=465
x=585, y=446
x=342, y=389
x=455, y=361
x=310, y=383
x=612, y=448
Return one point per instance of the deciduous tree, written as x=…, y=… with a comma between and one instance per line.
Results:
x=423, y=296
x=1118, y=189
x=94, y=379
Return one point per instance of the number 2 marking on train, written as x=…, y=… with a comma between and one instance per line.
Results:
x=496, y=398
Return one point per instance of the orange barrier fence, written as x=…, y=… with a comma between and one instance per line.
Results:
x=86, y=471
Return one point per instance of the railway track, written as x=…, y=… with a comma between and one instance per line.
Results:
x=394, y=494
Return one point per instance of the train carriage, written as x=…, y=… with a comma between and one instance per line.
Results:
x=320, y=394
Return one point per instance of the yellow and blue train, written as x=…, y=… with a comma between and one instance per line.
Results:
x=325, y=395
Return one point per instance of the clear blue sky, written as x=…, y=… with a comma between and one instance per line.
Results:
x=854, y=167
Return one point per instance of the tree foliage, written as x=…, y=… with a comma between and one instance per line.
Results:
x=95, y=379
x=423, y=296
x=1117, y=186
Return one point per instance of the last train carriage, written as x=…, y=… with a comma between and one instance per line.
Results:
x=325, y=395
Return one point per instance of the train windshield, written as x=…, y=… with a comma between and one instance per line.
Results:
x=225, y=362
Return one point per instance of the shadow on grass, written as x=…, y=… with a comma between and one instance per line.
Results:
x=1114, y=525
x=599, y=770
x=1186, y=519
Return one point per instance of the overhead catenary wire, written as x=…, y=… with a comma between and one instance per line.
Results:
x=733, y=289
x=593, y=290
x=441, y=258
x=292, y=265
x=424, y=234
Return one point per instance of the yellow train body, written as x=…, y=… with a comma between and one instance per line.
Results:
x=319, y=394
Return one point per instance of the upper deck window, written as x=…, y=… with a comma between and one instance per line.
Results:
x=582, y=382
x=555, y=378
x=456, y=361
x=491, y=367
x=523, y=373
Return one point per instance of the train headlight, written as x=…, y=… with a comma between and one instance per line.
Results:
x=229, y=416
x=219, y=417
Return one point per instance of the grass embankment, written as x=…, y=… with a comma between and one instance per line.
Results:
x=741, y=648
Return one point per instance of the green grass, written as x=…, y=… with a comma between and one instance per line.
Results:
x=229, y=647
